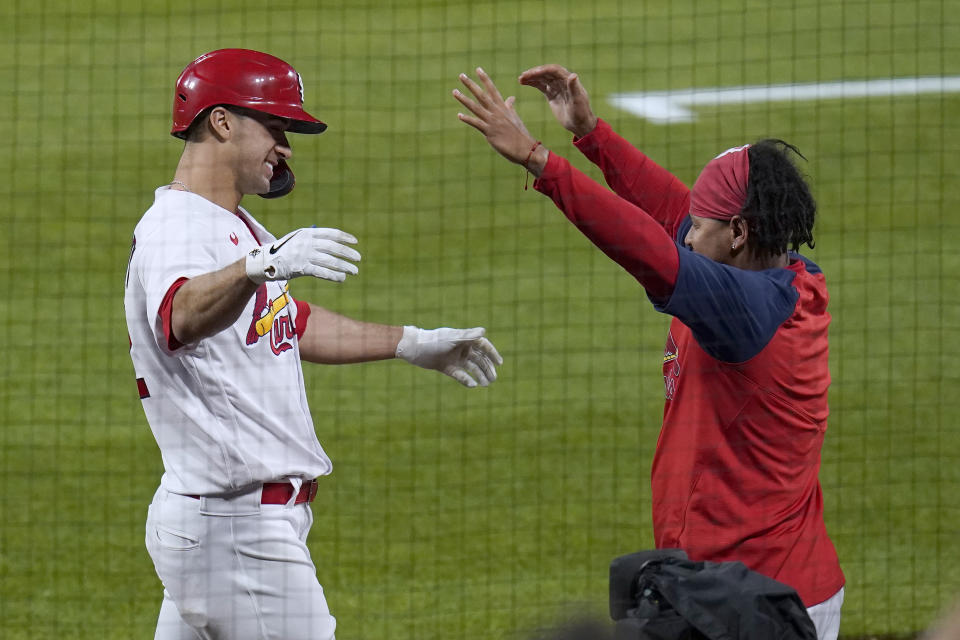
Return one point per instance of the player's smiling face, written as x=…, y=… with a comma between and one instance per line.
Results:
x=262, y=143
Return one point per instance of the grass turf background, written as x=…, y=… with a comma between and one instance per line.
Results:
x=450, y=513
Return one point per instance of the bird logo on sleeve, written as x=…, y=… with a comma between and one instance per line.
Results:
x=268, y=321
x=671, y=367
x=265, y=324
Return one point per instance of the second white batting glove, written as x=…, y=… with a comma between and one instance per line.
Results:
x=304, y=252
x=463, y=354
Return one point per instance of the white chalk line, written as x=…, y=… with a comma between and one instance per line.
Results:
x=667, y=107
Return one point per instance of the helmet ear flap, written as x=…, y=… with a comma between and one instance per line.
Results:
x=282, y=181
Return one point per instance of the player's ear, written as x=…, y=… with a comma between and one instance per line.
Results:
x=739, y=232
x=221, y=122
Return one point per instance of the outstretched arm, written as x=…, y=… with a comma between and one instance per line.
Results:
x=330, y=338
x=637, y=178
x=621, y=230
x=628, y=171
x=463, y=354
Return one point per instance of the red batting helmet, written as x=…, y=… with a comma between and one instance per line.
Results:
x=243, y=78
x=249, y=79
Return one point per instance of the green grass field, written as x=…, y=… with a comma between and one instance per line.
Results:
x=456, y=514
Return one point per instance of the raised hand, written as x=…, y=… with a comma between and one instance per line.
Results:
x=497, y=120
x=567, y=98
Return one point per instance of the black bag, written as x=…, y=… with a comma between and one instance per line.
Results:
x=661, y=595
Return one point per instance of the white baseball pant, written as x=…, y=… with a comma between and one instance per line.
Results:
x=235, y=569
x=826, y=616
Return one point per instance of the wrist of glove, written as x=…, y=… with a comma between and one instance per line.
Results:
x=305, y=252
x=463, y=354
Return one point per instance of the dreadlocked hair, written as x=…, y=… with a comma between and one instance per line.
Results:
x=779, y=208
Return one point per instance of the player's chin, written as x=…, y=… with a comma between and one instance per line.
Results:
x=258, y=186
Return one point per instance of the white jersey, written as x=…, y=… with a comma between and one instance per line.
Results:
x=229, y=411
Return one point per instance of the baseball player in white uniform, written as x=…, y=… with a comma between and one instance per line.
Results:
x=217, y=340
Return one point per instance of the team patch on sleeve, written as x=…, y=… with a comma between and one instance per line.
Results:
x=269, y=320
x=671, y=367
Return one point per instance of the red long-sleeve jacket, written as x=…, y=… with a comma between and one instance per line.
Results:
x=735, y=473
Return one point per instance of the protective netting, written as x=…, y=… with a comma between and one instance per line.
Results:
x=455, y=514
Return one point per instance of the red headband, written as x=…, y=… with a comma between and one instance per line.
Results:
x=721, y=188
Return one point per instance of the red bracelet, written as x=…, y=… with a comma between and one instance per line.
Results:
x=526, y=180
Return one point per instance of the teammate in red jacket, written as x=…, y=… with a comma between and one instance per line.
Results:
x=735, y=474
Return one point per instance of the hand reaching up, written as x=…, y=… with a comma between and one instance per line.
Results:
x=567, y=98
x=499, y=123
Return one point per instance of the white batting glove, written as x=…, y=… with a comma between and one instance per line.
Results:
x=463, y=354
x=304, y=252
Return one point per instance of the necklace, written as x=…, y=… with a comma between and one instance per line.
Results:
x=185, y=187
